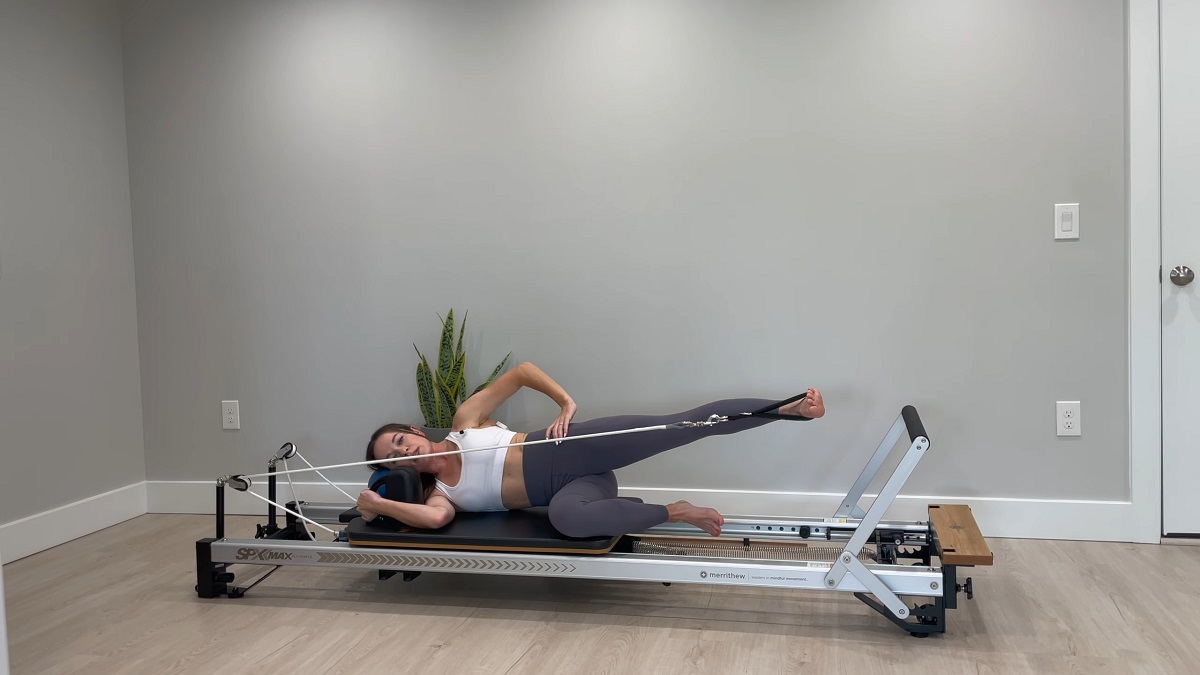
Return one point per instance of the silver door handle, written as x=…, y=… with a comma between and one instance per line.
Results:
x=1182, y=275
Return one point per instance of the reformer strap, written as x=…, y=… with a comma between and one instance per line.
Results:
x=765, y=412
x=761, y=412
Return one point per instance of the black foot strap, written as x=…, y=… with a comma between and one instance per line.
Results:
x=766, y=412
x=761, y=412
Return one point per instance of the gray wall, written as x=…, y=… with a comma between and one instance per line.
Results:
x=659, y=203
x=70, y=395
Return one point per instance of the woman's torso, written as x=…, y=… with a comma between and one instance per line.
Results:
x=512, y=489
x=512, y=482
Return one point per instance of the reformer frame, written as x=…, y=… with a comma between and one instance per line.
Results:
x=918, y=559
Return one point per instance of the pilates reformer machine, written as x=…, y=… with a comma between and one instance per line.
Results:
x=907, y=571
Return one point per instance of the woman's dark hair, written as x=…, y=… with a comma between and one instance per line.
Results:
x=392, y=428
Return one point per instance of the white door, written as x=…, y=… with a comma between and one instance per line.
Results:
x=1180, y=248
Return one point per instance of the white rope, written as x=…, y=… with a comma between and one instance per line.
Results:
x=307, y=520
x=335, y=486
x=659, y=427
x=296, y=499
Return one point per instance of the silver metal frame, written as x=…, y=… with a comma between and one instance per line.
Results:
x=905, y=580
x=849, y=562
x=848, y=573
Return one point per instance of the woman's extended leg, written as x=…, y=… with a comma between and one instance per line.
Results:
x=549, y=467
x=607, y=453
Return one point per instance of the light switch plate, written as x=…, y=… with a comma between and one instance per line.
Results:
x=1066, y=221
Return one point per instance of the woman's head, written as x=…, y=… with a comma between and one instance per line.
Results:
x=390, y=441
x=401, y=440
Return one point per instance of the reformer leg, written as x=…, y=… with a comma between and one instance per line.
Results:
x=211, y=579
x=929, y=619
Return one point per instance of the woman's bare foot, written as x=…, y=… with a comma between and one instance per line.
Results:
x=704, y=518
x=811, y=406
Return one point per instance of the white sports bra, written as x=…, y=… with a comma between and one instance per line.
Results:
x=479, y=484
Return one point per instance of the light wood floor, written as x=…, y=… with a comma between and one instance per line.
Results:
x=122, y=601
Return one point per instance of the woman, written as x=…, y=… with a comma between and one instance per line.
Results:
x=574, y=479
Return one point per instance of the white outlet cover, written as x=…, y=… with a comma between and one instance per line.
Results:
x=1067, y=418
x=231, y=417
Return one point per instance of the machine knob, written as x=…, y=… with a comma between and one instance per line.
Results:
x=1182, y=275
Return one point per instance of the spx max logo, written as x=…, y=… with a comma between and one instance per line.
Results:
x=261, y=554
x=721, y=575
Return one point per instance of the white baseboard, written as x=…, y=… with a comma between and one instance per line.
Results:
x=1010, y=518
x=48, y=529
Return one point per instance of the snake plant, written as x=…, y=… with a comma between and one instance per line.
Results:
x=440, y=390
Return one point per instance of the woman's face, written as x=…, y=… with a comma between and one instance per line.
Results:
x=404, y=444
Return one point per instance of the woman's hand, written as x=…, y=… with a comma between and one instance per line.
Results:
x=367, y=499
x=562, y=423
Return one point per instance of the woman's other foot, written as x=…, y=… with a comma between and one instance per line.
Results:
x=811, y=406
x=704, y=518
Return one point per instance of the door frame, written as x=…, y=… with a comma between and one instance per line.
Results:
x=1144, y=270
x=3, y=627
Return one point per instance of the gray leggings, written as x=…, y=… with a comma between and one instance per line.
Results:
x=575, y=479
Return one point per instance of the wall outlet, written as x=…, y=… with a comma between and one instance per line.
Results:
x=1067, y=418
x=231, y=418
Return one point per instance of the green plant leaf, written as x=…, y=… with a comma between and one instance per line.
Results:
x=462, y=331
x=439, y=404
x=426, y=394
x=445, y=412
x=445, y=355
x=493, y=375
x=445, y=390
x=441, y=390
x=458, y=379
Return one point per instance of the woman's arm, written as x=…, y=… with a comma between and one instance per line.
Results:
x=478, y=408
x=436, y=512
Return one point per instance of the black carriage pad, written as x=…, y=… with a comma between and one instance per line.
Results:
x=519, y=531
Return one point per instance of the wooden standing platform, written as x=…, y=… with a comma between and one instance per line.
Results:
x=958, y=535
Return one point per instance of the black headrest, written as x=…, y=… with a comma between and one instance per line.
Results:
x=402, y=484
